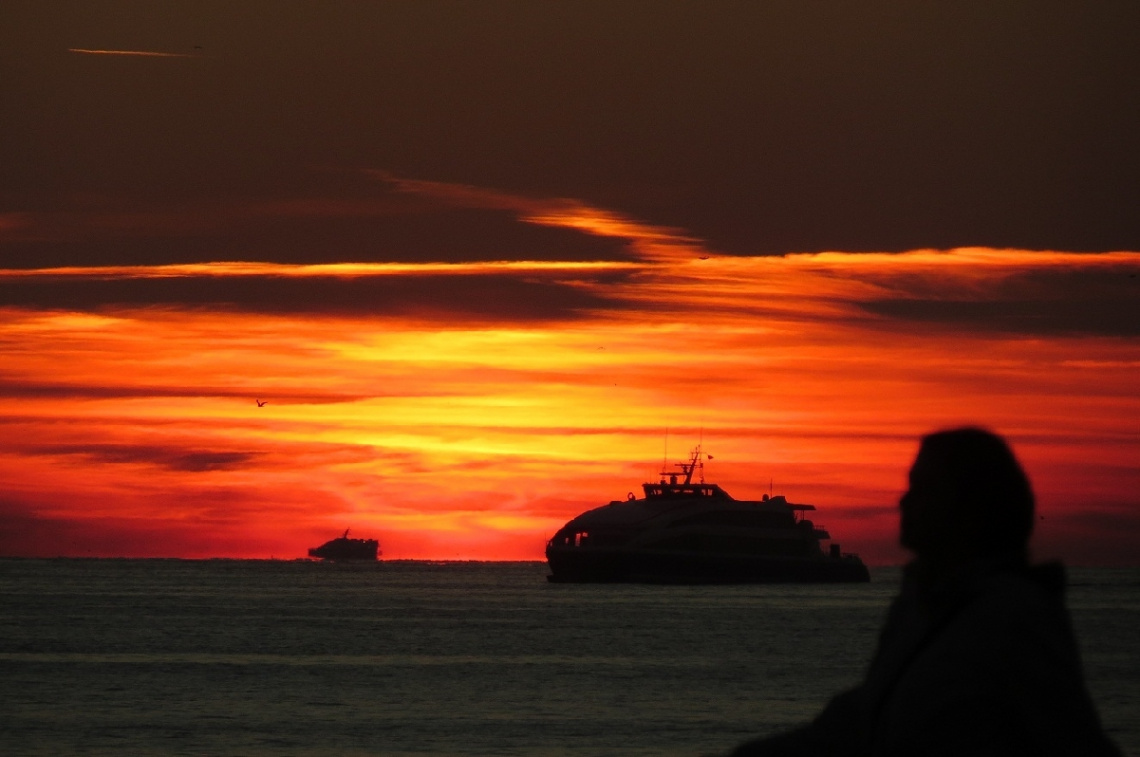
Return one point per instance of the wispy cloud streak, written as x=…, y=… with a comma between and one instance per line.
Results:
x=651, y=243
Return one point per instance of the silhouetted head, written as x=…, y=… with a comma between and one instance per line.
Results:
x=968, y=498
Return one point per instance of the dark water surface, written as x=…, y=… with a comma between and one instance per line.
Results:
x=236, y=657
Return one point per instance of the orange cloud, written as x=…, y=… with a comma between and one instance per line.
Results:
x=327, y=270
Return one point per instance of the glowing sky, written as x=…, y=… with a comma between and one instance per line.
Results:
x=487, y=264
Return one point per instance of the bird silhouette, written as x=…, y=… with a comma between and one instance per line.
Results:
x=261, y=403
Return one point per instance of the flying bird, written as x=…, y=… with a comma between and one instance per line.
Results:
x=261, y=403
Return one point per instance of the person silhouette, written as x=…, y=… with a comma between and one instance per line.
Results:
x=977, y=656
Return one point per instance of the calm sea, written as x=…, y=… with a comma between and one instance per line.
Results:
x=237, y=657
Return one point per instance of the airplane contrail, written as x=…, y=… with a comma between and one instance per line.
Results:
x=142, y=53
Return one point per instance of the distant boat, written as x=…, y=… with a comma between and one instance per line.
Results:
x=344, y=548
x=686, y=532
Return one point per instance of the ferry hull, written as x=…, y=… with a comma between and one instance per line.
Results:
x=625, y=566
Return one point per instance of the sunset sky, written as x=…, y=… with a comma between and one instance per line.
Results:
x=489, y=263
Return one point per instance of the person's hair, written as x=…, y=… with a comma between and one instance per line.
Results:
x=992, y=492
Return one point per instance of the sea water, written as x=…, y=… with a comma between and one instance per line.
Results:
x=235, y=657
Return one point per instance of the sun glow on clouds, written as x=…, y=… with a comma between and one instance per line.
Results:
x=134, y=430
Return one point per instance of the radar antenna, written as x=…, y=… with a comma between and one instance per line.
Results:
x=695, y=463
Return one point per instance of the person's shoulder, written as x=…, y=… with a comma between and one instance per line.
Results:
x=1020, y=618
x=1032, y=588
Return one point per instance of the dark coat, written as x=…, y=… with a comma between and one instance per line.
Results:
x=984, y=664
